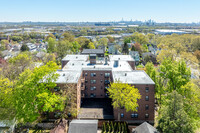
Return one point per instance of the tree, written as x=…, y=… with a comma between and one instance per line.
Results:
x=91, y=45
x=139, y=38
x=150, y=36
x=68, y=36
x=125, y=48
x=3, y=44
x=69, y=93
x=196, y=43
x=24, y=47
x=63, y=48
x=17, y=65
x=125, y=95
x=84, y=42
x=111, y=39
x=16, y=38
x=76, y=47
x=50, y=36
x=51, y=45
x=176, y=73
x=197, y=54
x=32, y=93
x=127, y=40
x=6, y=106
x=145, y=48
x=133, y=48
x=175, y=76
x=103, y=42
x=173, y=118
x=137, y=47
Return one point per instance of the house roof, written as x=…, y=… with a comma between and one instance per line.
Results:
x=145, y=128
x=83, y=126
x=92, y=51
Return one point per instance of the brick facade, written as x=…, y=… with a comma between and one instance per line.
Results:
x=98, y=86
x=142, y=109
x=92, y=83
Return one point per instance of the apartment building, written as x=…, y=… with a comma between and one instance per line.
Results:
x=91, y=78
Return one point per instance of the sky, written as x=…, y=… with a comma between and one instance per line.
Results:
x=179, y=11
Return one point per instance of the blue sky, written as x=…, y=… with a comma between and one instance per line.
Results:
x=99, y=10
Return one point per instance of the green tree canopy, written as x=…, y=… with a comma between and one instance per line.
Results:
x=125, y=95
x=68, y=36
x=24, y=47
x=51, y=45
x=32, y=94
x=173, y=118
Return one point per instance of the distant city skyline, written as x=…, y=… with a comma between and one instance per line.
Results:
x=174, y=11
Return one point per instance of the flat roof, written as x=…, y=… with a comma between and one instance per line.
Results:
x=76, y=57
x=68, y=76
x=121, y=57
x=133, y=77
x=92, y=51
x=72, y=70
x=83, y=126
x=84, y=121
x=85, y=65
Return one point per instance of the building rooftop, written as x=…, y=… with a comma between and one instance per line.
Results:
x=145, y=128
x=85, y=65
x=121, y=57
x=83, y=126
x=123, y=71
x=92, y=51
x=76, y=57
x=68, y=76
x=133, y=77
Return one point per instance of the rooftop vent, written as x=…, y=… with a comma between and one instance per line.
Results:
x=119, y=58
x=125, y=74
x=82, y=63
x=63, y=74
x=76, y=57
x=73, y=64
x=94, y=66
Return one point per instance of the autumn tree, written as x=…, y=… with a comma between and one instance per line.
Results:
x=197, y=54
x=137, y=47
x=123, y=94
x=111, y=39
